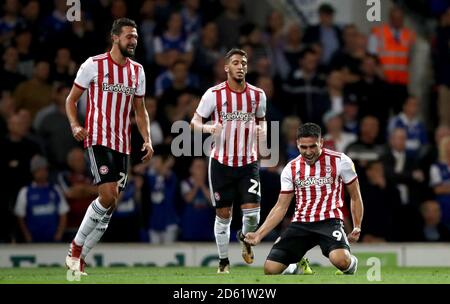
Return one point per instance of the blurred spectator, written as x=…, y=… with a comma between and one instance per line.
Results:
x=147, y=27
x=219, y=74
x=182, y=82
x=348, y=58
x=17, y=150
x=442, y=67
x=393, y=43
x=336, y=138
x=334, y=95
x=288, y=51
x=27, y=54
x=440, y=179
x=9, y=71
x=56, y=25
x=163, y=218
x=207, y=51
x=433, y=230
x=192, y=19
x=64, y=68
x=78, y=190
x=7, y=109
x=198, y=213
x=366, y=148
x=326, y=33
x=177, y=76
x=82, y=34
x=431, y=154
x=401, y=171
x=55, y=131
x=273, y=34
x=126, y=220
x=229, y=23
x=173, y=45
x=350, y=115
x=380, y=197
x=272, y=103
x=289, y=128
x=304, y=89
x=35, y=93
x=370, y=91
x=415, y=129
x=9, y=21
x=252, y=35
x=41, y=208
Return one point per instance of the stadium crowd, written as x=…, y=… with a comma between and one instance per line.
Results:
x=353, y=84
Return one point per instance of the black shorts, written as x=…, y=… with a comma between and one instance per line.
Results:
x=108, y=165
x=230, y=185
x=299, y=237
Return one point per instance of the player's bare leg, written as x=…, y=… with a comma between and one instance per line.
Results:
x=250, y=221
x=272, y=267
x=96, y=217
x=222, y=234
x=343, y=260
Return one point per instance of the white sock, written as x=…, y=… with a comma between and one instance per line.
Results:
x=353, y=265
x=250, y=219
x=94, y=214
x=222, y=234
x=291, y=269
x=94, y=237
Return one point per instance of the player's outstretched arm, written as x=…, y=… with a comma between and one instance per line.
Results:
x=79, y=133
x=275, y=216
x=143, y=123
x=357, y=209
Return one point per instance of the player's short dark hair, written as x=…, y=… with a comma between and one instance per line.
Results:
x=235, y=51
x=309, y=129
x=119, y=23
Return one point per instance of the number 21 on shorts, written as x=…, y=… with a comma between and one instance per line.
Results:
x=255, y=188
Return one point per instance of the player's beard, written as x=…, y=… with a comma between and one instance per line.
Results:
x=125, y=52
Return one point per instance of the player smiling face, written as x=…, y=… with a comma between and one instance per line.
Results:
x=127, y=41
x=310, y=148
x=236, y=67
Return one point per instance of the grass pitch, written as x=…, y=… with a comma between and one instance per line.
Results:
x=207, y=275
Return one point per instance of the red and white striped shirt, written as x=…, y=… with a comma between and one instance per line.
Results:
x=111, y=88
x=236, y=145
x=318, y=187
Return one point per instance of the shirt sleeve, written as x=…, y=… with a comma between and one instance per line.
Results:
x=85, y=74
x=206, y=105
x=287, y=184
x=261, y=111
x=348, y=171
x=20, y=209
x=63, y=207
x=140, y=90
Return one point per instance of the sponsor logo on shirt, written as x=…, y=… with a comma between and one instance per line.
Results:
x=314, y=181
x=118, y=88
x=237, y=115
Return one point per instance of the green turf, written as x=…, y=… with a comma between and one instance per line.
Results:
x=207, y=275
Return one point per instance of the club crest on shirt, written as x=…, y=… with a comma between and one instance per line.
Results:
x=217, y=196
x=103, y=170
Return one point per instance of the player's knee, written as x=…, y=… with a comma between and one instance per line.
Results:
x=271, y=269
x=341, y=259
x=224, y=213
x=109, y=198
